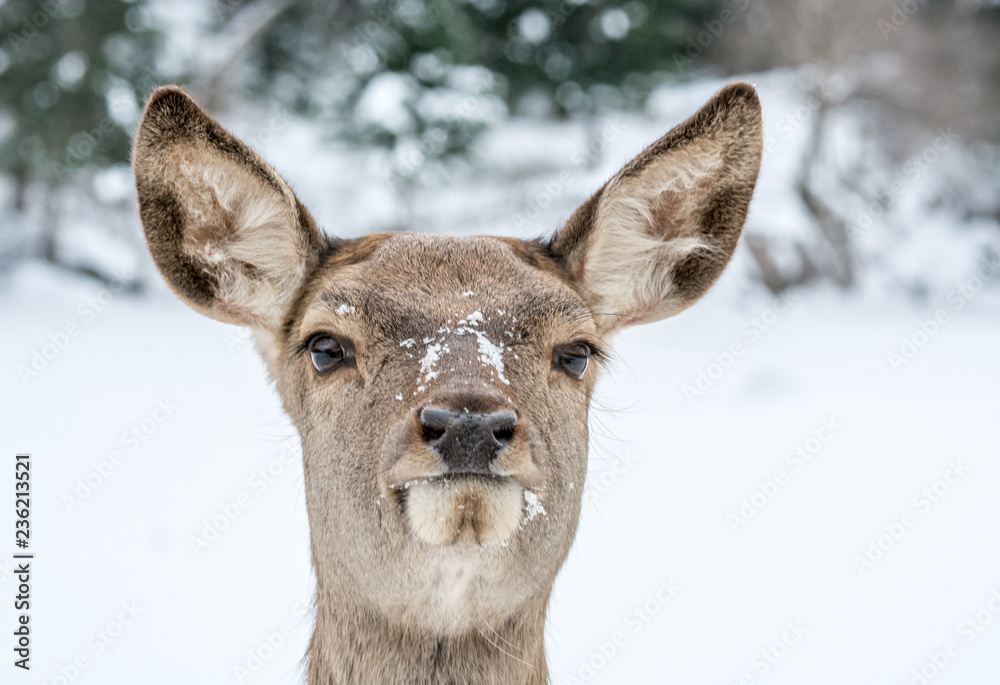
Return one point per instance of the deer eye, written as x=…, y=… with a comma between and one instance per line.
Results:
x=328, y=353
x=573, y=359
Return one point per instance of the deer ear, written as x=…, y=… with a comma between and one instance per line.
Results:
x=226, y=232
x=655, y=238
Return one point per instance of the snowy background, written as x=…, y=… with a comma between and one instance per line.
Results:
x=820, y=508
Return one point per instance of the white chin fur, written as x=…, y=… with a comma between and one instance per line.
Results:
x=485, y=511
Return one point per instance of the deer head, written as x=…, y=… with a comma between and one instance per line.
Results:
x=440, y=384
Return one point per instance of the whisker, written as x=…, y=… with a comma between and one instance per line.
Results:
x=501, y=649
x=480, y=612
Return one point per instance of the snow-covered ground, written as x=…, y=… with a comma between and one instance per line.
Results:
x=673, y=578
x=820, y=507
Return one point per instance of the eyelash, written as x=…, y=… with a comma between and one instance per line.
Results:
x=596, y=353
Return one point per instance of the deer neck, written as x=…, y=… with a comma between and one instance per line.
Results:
x=354, y=644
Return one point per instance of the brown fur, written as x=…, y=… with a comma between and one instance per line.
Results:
x=405, y=595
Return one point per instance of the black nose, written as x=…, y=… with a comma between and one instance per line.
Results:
x=467, y=443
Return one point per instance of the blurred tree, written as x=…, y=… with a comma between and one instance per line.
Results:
x=402, y=73
x=71, y=73
x=914, y=67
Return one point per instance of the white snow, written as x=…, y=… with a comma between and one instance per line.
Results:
x=490, y=354
x=668, y=469
x=532, y=507
x=429, y=361
x=384, y=103
x=658, y=514
x=473, y=319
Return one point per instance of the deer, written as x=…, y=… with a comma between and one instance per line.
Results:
x=440, y=385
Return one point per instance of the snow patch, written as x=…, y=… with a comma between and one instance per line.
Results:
x=490, y=354
x=473, y=319
x=532, y=507
x=429, y=361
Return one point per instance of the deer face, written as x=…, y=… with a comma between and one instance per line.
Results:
x=440, y=385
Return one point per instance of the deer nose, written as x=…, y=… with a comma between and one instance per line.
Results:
x=467, y=443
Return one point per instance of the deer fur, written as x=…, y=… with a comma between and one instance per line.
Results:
x=421, y=578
